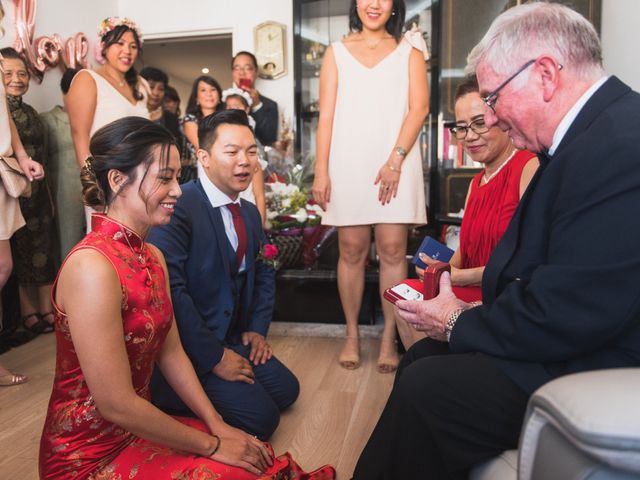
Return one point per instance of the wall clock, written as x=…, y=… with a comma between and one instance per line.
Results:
x=270, y=42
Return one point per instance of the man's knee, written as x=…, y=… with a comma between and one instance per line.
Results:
x=424, y=348
x=421, y=382
x=260, y=419
x=290, y=390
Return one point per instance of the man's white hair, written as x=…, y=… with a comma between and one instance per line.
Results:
x=527, y=31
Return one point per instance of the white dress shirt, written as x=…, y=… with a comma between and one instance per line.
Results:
x=571, y=115
x=218, y=199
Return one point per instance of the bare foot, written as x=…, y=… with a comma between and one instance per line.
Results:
x=388, y=359
x=350, y=356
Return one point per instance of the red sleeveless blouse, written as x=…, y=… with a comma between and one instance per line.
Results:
x=489, y=210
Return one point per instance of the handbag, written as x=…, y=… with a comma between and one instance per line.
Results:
x=14, y=180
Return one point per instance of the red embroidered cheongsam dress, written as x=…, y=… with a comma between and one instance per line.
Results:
x=487, y=214
x=77, y=443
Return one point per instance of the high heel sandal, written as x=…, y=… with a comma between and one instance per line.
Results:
x=47, y=326
x=388, y=361
x=350, y=359
x=11, y=379
x=36, y=328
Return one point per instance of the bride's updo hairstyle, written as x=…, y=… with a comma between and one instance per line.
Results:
x=122, y=145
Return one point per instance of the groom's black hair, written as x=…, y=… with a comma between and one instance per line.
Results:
x=208, y=127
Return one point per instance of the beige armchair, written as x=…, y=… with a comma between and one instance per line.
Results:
x=578, y=427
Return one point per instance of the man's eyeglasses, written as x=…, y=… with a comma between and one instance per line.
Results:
x=477, y=126
x=245, y=68
x=492, y=98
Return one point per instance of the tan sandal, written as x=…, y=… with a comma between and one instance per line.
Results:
x=11, y=379
x=350, y=357
x=388, y=361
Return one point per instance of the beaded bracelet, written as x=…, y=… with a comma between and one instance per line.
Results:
x=216, y=448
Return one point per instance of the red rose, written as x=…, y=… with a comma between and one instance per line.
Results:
x=270, y=251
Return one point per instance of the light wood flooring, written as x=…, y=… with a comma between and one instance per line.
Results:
x=330, y=423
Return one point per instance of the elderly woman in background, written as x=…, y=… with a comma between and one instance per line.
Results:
x=492, y=199
x=205, y=99
x=34, y=245
x=112, y=91
x=10, y=217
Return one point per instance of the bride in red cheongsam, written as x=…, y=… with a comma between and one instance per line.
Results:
x=114, y=320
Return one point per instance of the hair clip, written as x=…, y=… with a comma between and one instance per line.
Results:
x=88, y=162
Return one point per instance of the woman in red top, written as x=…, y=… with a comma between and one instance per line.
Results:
x=492, y=199
x=114, y=321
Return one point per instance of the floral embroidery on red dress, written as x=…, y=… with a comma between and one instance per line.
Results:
x=76, y=441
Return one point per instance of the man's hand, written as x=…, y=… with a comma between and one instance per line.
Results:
x=234, y=368
x=260, y=350
x=431, y=316
x=255, y=95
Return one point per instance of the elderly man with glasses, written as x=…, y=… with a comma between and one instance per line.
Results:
x=559, y=289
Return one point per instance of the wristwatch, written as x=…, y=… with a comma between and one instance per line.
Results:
x=401, y=152
x=453, y=318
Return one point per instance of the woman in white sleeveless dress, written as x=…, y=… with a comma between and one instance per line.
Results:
x=113, y=91
x=10, y=217
x=373, y=102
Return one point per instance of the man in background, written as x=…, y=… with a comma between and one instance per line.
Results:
x=244, y=71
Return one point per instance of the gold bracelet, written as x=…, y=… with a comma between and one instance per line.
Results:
x=216, y=448
x=393, y=169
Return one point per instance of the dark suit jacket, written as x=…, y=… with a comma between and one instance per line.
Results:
x=267, y=121
x=199, y=257
x=561, y=288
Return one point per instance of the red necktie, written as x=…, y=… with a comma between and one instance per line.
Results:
x=241, y=232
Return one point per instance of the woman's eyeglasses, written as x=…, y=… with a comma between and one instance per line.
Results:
x=477, y=126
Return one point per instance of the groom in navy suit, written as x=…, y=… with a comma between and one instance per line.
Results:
x=222, y=293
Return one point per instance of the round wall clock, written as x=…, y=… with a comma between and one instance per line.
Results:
x=270, y=42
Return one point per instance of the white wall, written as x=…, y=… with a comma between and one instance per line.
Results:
x=169, y=18
x=65, y=17
x=620, y=40
x=159, y=18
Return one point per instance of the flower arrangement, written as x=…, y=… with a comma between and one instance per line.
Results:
x=110, y=23
x=289, y=204
x=292, y=216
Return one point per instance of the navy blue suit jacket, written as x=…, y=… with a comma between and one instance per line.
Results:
x=561, y=288
x=267, y=121
x=201, y=274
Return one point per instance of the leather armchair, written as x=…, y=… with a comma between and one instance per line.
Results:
x=581, y=426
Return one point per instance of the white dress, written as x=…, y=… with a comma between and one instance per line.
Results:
x=111, y=105
x=371, y=106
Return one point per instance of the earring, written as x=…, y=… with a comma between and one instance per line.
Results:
x=393, y=13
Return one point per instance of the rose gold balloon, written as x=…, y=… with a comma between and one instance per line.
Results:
x=82, y=50
x=47, y=49
x=45, y=52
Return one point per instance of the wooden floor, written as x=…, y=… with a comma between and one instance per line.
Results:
x=330, y=422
